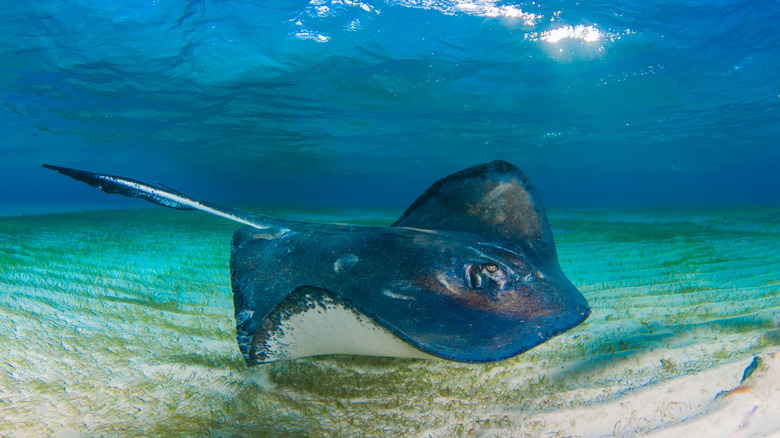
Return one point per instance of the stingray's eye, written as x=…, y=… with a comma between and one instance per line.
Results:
x=479, y=276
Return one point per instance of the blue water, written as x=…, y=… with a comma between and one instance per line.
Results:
x=118, y=323
x=352, y=103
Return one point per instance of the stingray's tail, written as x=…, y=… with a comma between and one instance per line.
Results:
x=167, y=197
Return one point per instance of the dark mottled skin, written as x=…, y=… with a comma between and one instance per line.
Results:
x=469, y=272
x=487, y=215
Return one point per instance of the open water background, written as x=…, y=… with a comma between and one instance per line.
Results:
x=365, y=103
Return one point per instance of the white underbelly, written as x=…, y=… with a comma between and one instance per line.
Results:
x=328, y=327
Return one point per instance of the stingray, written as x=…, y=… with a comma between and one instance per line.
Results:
x=468, y=273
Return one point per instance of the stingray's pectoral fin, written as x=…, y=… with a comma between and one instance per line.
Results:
x=164, y=196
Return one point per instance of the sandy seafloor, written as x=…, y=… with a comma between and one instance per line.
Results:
x=119, y=323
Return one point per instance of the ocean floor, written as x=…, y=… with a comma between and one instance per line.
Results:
x=119, y=324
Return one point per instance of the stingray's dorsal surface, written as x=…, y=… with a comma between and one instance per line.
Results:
x=495, y=200
x=469, y=273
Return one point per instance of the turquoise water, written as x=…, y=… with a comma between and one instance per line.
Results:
x=119, y=323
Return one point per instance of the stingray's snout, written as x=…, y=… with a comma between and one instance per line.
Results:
x=572, y=305
x=580, y=311
x=584, y=312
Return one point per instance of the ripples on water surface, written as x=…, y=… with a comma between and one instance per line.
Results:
x=240, y=99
